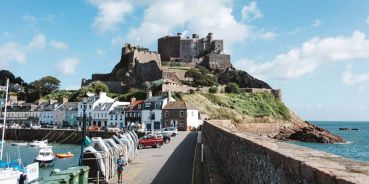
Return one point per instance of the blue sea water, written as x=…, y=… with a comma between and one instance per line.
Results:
x=357, y=146
x=28, y=154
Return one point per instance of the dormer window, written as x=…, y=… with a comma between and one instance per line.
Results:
x=147, y=105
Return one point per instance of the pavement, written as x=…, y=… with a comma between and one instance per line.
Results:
x=172, y=163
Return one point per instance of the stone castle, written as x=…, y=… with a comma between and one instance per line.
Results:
x=138, y=65
x=204, y=51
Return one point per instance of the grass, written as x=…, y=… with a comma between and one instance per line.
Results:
x=257, y=105
x=239, y=108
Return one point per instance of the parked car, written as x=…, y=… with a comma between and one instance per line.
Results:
x=166, y=137
x=150, y=140
x=172, y=131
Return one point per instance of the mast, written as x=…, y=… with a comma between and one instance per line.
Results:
x=4, y=118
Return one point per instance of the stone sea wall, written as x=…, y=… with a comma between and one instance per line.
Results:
x=64, y=136
x=248, y=158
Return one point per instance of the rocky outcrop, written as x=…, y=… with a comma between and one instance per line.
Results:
x=242, y=78
x=309, y=133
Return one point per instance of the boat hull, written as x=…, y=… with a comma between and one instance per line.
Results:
x=45, y=163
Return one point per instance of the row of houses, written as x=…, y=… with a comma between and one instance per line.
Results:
x=153, y=113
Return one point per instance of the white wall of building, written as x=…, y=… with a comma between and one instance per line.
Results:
x=193, y=118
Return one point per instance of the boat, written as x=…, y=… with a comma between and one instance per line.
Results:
x=64, y=155
x=19, y=144
x=38, y=144
x=45, y=156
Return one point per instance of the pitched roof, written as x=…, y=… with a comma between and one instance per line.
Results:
x=156, y=98
x=179, y=105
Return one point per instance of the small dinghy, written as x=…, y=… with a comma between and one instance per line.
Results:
x=64, y=155
x=45, y=156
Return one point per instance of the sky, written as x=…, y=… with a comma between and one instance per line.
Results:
x=316, y=51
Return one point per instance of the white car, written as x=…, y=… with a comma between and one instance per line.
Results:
x=172, y=131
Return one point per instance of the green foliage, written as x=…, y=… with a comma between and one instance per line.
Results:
x=60, y=94
x=232, y=88
x=157, y=83
x=213, y=89
x=192, y=91
x=201, y=77
x=45, y=85
x=138, y=94
x=97, y=87
x=258, y=105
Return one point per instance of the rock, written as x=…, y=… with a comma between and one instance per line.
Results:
x=343, y=129
x=354, y=129
x=309, y=133
x=242, y=78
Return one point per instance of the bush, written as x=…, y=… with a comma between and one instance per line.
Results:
x=192, y=91
x=178, y=95
x=232, y=88
x=213, y=89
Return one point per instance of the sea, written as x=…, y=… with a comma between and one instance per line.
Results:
x=28, y=154
x=357, y=145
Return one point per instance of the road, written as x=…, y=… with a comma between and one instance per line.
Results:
x=172, y=163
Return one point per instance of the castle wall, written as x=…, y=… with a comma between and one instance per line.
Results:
x=249, y=158
x=217, y=61
x=101, y=77
x=168, y=47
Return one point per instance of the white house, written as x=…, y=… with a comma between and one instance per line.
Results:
x=116, y=117
x=48, y=113
x=98, y=109
x=151, y=117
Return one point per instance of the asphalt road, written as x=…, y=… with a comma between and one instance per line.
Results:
x=172, y=163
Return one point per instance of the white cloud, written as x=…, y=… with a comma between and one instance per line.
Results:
x=10, y=53
x=268, y=35
x=311, y=55
x=118, y=40
x=58, y=45
x=251, y=12
x=354, y=79
x=111, y=14
x=316, y=23
x=29, y=19
x=68, y=66
x=38, y=42
x=167, y=16
x=7, y=35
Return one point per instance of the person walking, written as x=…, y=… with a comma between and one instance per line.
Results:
x=120, y=167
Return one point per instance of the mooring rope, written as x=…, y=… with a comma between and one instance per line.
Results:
x=67, y=137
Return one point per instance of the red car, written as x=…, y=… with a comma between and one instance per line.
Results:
x=150, y=140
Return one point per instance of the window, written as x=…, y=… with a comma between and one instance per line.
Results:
x=152, y=116
x=147, y=104
x=166, y=113
x=139, y=106
x=126, y=114
x=138, y=114
x=90, y=107
x=121, y=117
x=166, y=123
x=181, y=113
x=111, y=117
x=158, y=105
x=116, y=117
x=134, y=114
x=181, y=124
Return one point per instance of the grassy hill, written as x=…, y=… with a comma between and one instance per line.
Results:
x=238, y=107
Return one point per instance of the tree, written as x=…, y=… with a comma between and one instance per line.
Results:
x=232, y=88
x=213, y=89
x=45, y=85
x=201, y=77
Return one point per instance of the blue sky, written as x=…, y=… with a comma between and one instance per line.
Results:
x=317, y=52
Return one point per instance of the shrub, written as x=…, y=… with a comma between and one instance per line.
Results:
x=192, y=91
x=178, y=95
x=232, y=88
x=213, y=89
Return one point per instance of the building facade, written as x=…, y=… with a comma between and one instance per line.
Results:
x=180, y=115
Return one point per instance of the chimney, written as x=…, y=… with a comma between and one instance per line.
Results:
x=148, y=94
x=65, y=100
x=133, y=99
x=169, y=96
x=179, y=34
x=102, y=95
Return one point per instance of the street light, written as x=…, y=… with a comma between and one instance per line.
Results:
x=84, y=101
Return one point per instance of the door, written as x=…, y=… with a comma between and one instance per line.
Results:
x=156, y=125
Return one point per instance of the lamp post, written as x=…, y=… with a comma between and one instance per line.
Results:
x=84, y=101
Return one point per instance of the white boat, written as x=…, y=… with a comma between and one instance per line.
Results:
x=9, y=175
x=45, y=156
x=19, y=144
x=38, y=144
